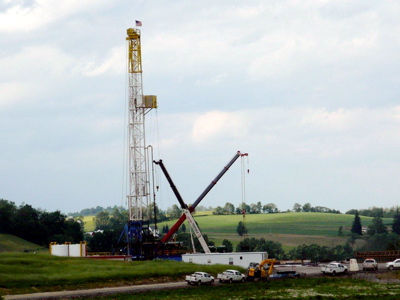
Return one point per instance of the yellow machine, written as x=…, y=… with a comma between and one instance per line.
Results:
x=260, y=270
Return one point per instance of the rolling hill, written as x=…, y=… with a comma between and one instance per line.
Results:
x=290, y=229
x=12, y=243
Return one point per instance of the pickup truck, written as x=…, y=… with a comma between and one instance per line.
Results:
x=199, y=278
x=231, y=276
x=334, y=268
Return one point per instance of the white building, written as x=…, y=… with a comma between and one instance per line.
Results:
x=242, y=259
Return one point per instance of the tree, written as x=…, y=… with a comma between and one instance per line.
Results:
x=247, y=245
x=186, y=239
x=377, y=226
x=270, y=208
x=228, y=245
x=254, y=208
x=356, y=227
x=307, y=207
x=8, y=211
x=102, y=241
x=340, y=231
x=229, y=208
x=297, y=207
x=218, y=211
x=102, y=221
x=174, y=211
x=274, y=249
x=259, y=207
x=382, y=242
x=241, y=229
x=396, y=222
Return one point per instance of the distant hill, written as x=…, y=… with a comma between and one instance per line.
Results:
x=12, y=243
x=290, y=229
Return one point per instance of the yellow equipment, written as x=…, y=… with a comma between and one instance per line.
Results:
x=260, y=270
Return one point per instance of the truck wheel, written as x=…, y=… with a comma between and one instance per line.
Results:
x=221, y=280
x=243, y=279
x=188, y=282
x=199, y=282
x=230, y=280
x=334, y=273
x=212, y=281
x=391, y=268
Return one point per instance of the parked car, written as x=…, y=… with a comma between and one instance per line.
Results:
x=231, y=276
x=334, y=268
x=199, y=278
x=393, y=264
x=370, y=264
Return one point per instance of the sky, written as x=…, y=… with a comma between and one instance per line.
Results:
x=309, y=89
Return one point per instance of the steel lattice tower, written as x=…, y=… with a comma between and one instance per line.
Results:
x=139, y=105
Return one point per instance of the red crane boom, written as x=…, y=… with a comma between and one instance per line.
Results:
x=201, y=197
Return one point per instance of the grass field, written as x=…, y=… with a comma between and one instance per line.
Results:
x=290, y=229
x=12, y=243
x=30, y=273
x=294, y=289
x=88, y=222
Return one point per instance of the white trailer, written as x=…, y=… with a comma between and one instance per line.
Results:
x=242, y=259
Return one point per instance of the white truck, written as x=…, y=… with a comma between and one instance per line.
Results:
x=393, y=264
x=199, y=278
x=334, y=268
x=231, y=276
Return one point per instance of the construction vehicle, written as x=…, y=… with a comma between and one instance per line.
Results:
x=260, y=270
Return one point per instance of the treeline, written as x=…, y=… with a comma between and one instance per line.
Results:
x=312, y=252
x=374, y=212
x=269, y=208
x=94, y=210
x=36, y=226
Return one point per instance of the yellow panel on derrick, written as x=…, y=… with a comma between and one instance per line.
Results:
x=150, y=101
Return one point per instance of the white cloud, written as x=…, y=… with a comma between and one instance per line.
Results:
x=310, y=89
x=114, y=63
x=20, y=17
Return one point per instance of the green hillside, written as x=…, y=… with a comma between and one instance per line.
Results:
x=290, y=229
x=12, y=243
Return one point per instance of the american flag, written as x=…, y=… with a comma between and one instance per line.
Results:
x=138, y=23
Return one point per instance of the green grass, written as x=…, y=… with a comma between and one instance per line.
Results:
x=28, y=272
x=306, y=288
x=88, y=222
x=12, y=243
x=290, y=229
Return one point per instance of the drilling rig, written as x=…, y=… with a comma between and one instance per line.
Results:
x=137, y=238
x=137, y=232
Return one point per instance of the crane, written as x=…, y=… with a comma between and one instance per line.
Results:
x=178, y=223
x=185, y=208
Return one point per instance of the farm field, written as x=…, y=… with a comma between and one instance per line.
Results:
x=88, y=222
x=290, y=229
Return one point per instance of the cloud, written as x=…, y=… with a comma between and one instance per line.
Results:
x=114, y=63
x=217, y=125
x=20, y=16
